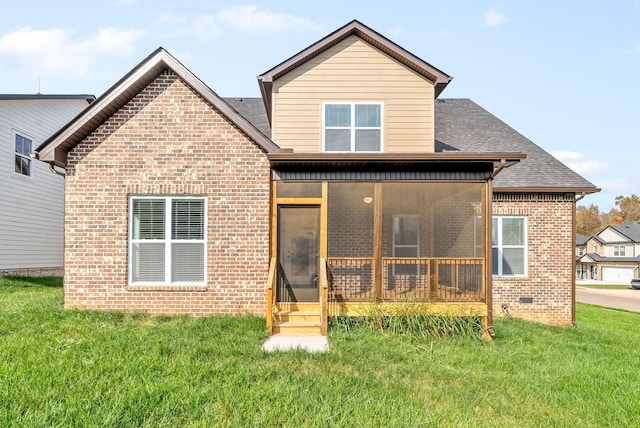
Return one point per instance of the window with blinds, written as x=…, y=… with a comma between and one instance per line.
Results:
x=167, y=240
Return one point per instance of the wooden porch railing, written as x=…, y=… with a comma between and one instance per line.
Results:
x=435, y=279
x=324, y=296
x=271, y=295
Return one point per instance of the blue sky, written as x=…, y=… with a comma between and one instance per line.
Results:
x=563, y=73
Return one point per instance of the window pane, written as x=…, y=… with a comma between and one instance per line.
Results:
x=148, y=218
x=494, y=261
x=187, y=219
x=187, y=262
x=337, y=115
x=513, y=261
x=367, y=115
x=23, y=145
x=494, y=231
x=148, y=262
x=337, y=140
x=368, y=140
x=512, y=231
x=405, y=231
x=23, y=165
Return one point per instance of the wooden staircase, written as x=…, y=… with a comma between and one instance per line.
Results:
x=297, y=319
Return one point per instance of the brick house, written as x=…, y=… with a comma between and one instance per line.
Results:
x=349, y=184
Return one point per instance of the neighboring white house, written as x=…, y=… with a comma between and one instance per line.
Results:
x=31, y=195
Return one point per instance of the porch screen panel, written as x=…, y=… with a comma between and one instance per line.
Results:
x=351, y=239
x=433, y=240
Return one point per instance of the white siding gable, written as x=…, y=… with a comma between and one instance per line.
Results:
x=31, y=224
x=610, y=235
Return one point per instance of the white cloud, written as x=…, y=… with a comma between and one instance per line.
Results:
x=252, y=19
x=238, y=18
x=53, y=51
x=494, y=17
x=202, y=27
x=578, y=162
x=614, y=185
x=395, y=32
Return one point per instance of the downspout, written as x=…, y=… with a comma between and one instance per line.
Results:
x=488, y=252
x=55, y=171
x=499, y=168
x=573, y=258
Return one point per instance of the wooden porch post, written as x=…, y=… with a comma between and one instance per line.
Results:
x=488, y=257
x=377, y=240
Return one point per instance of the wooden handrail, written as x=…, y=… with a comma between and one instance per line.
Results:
x=271, y=279
x=324, y=297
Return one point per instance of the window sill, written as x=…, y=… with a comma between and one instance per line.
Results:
x=507, y=277
x=196, y=288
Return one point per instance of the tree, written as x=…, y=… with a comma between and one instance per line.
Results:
x=588, y=220
x=629, y=207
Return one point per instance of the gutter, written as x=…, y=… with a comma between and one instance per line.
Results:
x=52, y=165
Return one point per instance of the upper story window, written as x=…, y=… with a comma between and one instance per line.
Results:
x=167, y=241
x=509, y=246
x=352, y=127
x=619, y=251
x=22, y=159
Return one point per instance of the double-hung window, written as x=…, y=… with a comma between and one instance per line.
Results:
x=352, y=127
x=509, y=246
x=167, y=242
x=22, y=159
x=619, y=251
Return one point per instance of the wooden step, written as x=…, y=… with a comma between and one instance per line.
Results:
x=297, y=328
x=297, y=318
x=297, y=306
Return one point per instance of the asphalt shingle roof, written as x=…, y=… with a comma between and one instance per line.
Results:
x=630, y=229
x=462, y=125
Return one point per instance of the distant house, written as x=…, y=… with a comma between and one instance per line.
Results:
x=31, y=193
x=350, y=184
x=612, y=255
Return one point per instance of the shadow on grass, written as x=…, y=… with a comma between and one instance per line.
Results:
x=31, y=282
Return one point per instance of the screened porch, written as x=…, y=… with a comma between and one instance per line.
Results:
x=381, y=241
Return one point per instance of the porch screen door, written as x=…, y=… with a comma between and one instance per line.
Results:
x=298, y=253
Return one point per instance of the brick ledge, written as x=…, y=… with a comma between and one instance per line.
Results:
x=198, y=288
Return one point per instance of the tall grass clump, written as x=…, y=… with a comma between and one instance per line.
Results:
x=413, y=319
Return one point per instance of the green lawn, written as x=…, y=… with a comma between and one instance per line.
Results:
x=82, y=369
x=608, y=286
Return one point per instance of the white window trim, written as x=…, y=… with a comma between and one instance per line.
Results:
x=501, y=247
x=31, y=161
x=394, y=246
x=616, y=249
x=168, y=241
x=353, y=128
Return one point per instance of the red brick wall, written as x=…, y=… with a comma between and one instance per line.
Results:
x=549, y=280
x=167, y=141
